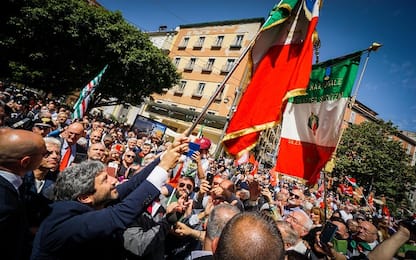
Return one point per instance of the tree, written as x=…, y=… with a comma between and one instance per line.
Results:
x=370, y=153
x=60, y=45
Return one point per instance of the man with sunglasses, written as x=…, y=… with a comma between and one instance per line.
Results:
x=127, y=166
x=295, y=201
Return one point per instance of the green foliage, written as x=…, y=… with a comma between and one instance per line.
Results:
x=370, y=153
x=60, y=45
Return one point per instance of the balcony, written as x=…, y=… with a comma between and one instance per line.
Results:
x=197, y=46
x=235, y=46
x=216, y=47
x=178, y=92
x=225, y=69
x=206, y=69
x=188, y=68
x=197, y=95
x=182, y=47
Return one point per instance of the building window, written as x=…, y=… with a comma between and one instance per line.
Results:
x=228, y=66
x=198, y=45
x=208, y=66
x=237, y=42
x=219, y=96
x=190, y=65
x=199, y=91
x=352, y=117
x=180, y=88
x=184, y=43
x=176, y=62
x=218, y=42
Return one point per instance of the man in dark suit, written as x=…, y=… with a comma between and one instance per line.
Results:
x=20, y=151
x=82, y=225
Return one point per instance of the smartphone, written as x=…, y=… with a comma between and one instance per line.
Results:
x=210, y=178
x=112, y=169
x=193, y=147
x=328, y=233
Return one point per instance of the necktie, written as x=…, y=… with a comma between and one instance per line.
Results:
x=65, y=159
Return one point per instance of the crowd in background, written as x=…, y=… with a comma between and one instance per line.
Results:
x=204, y=208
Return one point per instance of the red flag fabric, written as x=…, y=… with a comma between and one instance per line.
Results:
x=281, y=59
x=255, y=164
x=242, y=159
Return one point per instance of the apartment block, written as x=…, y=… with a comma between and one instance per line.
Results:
x=204, y=54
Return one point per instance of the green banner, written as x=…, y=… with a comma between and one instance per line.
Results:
x=331, y=80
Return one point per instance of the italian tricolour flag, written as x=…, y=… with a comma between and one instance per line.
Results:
x=312, y=123
x=281, y=62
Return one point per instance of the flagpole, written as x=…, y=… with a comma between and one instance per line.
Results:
x=222, y=85
x=373, y=47
x=219, y=88
x=237, y=94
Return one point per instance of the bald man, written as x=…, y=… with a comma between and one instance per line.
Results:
x=249, y=236
x=70, y=150
x=20, y=151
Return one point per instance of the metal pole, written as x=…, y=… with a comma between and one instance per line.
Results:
x=219, y=89
x=373, y=47
x=237, y=94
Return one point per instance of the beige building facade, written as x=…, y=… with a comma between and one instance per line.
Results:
x=204, y=54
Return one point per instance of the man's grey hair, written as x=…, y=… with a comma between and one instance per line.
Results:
x=77, y=180
x=308, y=221
x=218, y=217
x=289, y=235
x=52, y=140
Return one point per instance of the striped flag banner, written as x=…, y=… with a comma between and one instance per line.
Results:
x=81, y=105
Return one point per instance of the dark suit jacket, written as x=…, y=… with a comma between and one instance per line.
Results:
x=76, y=231
x=14, y=233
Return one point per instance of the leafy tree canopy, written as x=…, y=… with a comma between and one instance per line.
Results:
x=371, y=154
x=60, y=45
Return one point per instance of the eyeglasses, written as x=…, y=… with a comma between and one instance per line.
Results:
x=188, y=186
x=130, y=156
x=294, y=220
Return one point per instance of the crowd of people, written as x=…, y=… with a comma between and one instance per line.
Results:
x=93, y=189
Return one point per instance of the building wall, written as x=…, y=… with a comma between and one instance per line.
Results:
x=187, y=46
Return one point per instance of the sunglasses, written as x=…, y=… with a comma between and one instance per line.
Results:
x=188, y=186
x=48, y=153
x=129, y=156
x=294, y=195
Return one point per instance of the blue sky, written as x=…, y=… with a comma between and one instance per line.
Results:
x=389, y=84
